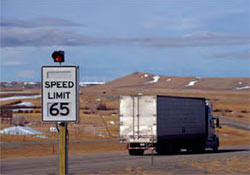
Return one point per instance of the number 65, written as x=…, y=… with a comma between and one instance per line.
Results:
x=62, y=110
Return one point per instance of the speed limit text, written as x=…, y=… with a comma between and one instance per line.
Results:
x=58, y=95
x=59, y=85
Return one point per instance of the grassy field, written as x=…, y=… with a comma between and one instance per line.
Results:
x=228, y=136
x=234, y=104
x=99, y=124
x=51, y=149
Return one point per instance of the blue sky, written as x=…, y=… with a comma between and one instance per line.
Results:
x=110, y=39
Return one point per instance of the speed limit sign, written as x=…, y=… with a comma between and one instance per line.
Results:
x=60, y=89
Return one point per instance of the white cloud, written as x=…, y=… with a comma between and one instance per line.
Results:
x=236, y=55
x=37, y=22
x=26, y=74
x=12, y=63
x=37, y=37
x=172, y=23
x=46, y=36
x=42, y=32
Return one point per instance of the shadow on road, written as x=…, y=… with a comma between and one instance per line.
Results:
x=205, y=152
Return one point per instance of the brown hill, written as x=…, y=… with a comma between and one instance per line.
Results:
x=146, y=81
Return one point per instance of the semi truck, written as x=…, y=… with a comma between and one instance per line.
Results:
x=167, y=124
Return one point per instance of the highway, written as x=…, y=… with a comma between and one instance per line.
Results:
x=234, y=123
x=122, y=163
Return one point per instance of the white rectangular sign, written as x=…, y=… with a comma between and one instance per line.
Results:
x=60, y=93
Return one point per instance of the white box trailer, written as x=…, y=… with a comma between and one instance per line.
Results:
x=166, y=123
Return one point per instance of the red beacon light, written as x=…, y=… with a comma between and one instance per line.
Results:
x=58, y=56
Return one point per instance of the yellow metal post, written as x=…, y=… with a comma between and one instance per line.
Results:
x=63, y=150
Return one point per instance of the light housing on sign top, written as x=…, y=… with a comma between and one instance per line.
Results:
x=58, y=56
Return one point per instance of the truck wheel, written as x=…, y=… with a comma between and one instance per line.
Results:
x=160, y=151
x=136, y=152
x=167, y=150
x=177, y=150
x=170, y=149
x=198, y=149
x=199, y=146
x=215, y=149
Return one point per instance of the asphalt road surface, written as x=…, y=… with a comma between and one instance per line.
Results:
x=234, y=123
x=122, y=163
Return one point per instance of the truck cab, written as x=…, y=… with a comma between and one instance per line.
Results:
x=212, y=140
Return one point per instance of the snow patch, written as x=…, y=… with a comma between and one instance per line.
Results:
x=240, y=83
x=21, y=109
x=20, y=97
x=112, y=122
x=192, y=83
x=155, y=79
x=19, y=130
x=41, y=136
x=242, y=88
x=52, y=129
x=81, y=84
x=29, y=83
x=25, y=104
x=13, y=92
x=100, y=135
x=168, y=80
x=144, y=76
x=89, y=83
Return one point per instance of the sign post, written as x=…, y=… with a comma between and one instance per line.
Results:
x=60, y=103
x=63, y=151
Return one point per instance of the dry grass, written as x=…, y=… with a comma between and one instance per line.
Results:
x=52, y=149
x=98, y=124
x=231, y=136
x=4, y=125
x=239, y=165
x=228, y=136
x=135, y=170
x=223, y=101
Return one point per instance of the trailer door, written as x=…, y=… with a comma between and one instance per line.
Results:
x=138, y=118
x=146, y=116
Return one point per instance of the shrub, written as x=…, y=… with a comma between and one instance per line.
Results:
x=244, y=111
x=19, y=120
x=92, y=108
x=86, y=112
x=217, y=110
x=228, y=110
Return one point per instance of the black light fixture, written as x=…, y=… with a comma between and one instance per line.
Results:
x=58, y=56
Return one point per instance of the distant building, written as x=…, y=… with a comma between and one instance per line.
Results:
x=6, y=115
